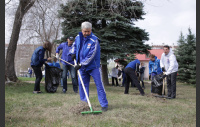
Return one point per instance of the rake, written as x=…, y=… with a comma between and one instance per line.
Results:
x=91, y=110
x=89, y=104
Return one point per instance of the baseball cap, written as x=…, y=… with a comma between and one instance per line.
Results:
x=71, y=38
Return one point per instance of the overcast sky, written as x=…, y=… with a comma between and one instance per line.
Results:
x=165, y=19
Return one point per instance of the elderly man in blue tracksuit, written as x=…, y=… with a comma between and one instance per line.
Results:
x=154, y=68
x=86, y=51
x=130, y=70
x=66, y=47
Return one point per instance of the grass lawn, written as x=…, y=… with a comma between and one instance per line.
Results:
x=28, y=79
x=25, y=109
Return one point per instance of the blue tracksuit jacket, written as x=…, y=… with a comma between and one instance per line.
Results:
x=155, y=66
x=89, y=58
x=66, y=53
x=132, y=64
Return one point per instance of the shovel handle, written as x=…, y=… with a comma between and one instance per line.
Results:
x=163, y=85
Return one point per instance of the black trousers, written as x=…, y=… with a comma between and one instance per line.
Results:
x=132, y=84
x=171, y=85
x=113, y=83
x=131, y=77
x=38, y=74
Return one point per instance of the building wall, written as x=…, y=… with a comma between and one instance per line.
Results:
x=146, y=72
x=23, y=57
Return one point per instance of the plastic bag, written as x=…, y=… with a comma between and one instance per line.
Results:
x=157, y=84
x=52, y=78
x=157, y=79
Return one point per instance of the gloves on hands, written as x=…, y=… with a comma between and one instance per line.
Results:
x=149, y=76
x=138, y=74
x=73, y=56
x=77, y=67
x=163, y=77
x=163, y=69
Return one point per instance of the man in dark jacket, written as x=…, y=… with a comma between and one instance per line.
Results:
x=130, y=71
x=37, y=60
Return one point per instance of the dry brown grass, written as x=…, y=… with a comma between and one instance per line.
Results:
x=24, y=109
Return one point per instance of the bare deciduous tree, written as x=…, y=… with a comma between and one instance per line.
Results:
x=42, y=23
x=39, y=24
x=23, y=7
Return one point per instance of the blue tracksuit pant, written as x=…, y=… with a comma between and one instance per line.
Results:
x=96, y=75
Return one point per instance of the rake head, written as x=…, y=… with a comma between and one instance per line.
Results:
x=91, y=112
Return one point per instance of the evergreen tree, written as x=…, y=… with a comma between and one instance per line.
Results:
x=113, y=23
x=191, y=40
x=186, y=57
x=192, y=68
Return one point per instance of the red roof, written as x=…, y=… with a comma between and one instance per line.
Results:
x=156, y=52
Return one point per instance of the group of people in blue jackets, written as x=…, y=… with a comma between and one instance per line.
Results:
x=85, y=50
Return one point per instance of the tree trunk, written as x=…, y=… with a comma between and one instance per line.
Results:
x=105, y=74
x=23, y=7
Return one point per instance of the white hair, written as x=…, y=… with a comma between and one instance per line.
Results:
x=86, y=25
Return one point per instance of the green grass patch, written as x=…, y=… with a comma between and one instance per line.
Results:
x=28, y=79
x=23, y=108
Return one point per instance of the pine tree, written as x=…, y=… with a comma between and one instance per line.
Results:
x=186, y=57
x=191, y=40
x=113, y=23
x=192, y=68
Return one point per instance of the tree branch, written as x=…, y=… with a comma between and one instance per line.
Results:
x=7, y=2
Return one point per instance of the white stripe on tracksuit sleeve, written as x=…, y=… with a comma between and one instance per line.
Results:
x=91, y=54
x=73, y=50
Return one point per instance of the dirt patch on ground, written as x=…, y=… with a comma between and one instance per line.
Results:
x=135, y=94
x=81, y=107
x=160, y=99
